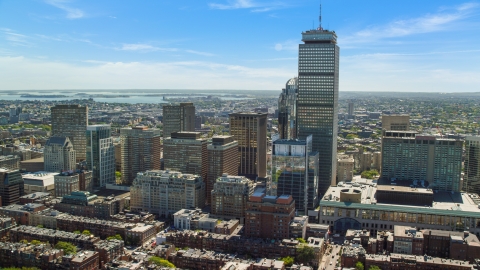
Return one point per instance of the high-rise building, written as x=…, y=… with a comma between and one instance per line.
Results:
x=471, y=179
x=165, y=192
x=59, y=154
x=178, y=118
x=250, y=131
x=230, y=195
x=11, y=186
x=345, y=166
x=407, y=156
x=101, y=154
x=186, y=152
x=287, y=115
x=269, y=216
x=222, y=158
x=350, y=109
x=66, y=183
x=295, y=169
x=141, y=151
x=317, y=101
x=396, y=122
x=71, y=121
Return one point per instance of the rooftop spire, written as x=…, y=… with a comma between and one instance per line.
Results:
x=320, y=17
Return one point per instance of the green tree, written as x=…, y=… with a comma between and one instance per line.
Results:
x=66, y=247
x=374, y=267
x=118, y=175
x=116, y=236
x=301, y=240
x=359, y=266
x=288, y=261
x=35, y=242
x=161, y=262
x=39, y=226
x=86, y=232
x=351, y=136
x=76, y=232
x=305, y=254
x=18, y=268
x=370, y=174
x=23, y=241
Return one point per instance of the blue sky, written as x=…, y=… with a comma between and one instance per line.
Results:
x=392, y=45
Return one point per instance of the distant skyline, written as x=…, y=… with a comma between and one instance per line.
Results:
x=398, y=46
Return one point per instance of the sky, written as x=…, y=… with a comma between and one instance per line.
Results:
x=400, y=46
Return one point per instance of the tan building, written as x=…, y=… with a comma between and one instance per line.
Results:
x=66, y=183
x=222, y=158
x=178, y=118
x=141, y=150
x=377, y=161
x=59, y=155
x=364, y=161
x=186, y=152
x=230, y=196
x=165, y=192
x=396, y=122
x=250, y=130
x=345, y=166
x=71, y=121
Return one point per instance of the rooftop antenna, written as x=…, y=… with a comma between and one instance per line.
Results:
x=320, y=17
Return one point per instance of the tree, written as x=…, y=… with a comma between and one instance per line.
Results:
x=359, y=266
x=86, y=232
x=374, y=267
x=66, y=247
x=116, y=236
x=287, y=260
x=35, y=242
x=76, y=232
x=351, y=136
x=39, y=226
x=305, y=254
x=161, y=262
x=118, y=175
x=301, y=240
x=370, y=174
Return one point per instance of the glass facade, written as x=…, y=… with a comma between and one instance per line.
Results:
x=317, y=101
x=471, y=182
x=101, y=155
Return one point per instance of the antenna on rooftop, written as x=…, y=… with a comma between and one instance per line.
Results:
x=320, y=17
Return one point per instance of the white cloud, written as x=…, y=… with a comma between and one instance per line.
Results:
x=47, y=74
x=72, y=13
x=288, y=45
x=15, y=38
x=255, y=6
x=144, y=48
x=200, y=53
x=440, y=21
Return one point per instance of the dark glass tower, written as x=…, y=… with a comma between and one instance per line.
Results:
x=317, y=101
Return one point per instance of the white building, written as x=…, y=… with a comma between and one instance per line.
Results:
x=59, y=155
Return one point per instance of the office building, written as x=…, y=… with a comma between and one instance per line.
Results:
x=408, y=156
x=396, y=122
x=11, y=162
x=186, y=152
x=222, y=159
x=287, y=103
x=141, y=151
x=71, y=121
x=350, y=110
x=295, y=170
x=269, y=216
x=178, y=118
x=345, y=166
x=101, y=155
x=59, y=155
x=39, y=182
x=66, y=183
x=230, y=195
x=471, y=179
x=317, y=102
x=250, y=131
x=11, y=186
x=165, y=192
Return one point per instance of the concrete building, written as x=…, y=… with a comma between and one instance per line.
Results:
x=351, y=109
x=345, y=166
x=66, y=183
x=222, y=158
x=177, y=118
x=407, y=240
x=32, y=165
x=250, y=131
x=10, y=162
x=269, y=216
x=377, y=161
x=186, y=152
x=101, y=155
x=298, y=227
x=39, y=182
x=295, y=171
x=165, y=192
x=59, y=155
x=287, y=113
x=230, y=195
x=471, y=179
x=364, y=161
x=11, y=186
x=141, y=151
x=317, y=103
x=71, y=121
x=189, y=219
x=396, y=122
x=412, y=157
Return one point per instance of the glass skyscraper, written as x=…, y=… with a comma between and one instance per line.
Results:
x=101, y=154
x=317, y=100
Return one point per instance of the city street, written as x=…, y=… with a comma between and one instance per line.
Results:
x=329, y=261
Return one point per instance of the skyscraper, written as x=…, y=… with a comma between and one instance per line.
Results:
x=71, y=121
x=317, y=101
x=287, y=103
x=140, y=151
x=250, y=131
x=59, y=155
x=178, y=118
x=11, y=186
x=471, y=180
x=101, y=154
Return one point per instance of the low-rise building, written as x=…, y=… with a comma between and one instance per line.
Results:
x=402, y=261
x=138, y=234
x=298, y=227
x=186, y=219
x=108, y=250
x=39, y=182
x=85, y=260
x=227, y=227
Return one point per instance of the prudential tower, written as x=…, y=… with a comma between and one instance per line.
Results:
x=317, y=102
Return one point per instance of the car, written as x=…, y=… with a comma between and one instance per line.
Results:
x=330, y=263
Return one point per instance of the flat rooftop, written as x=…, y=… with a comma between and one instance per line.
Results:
x=444, y=203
